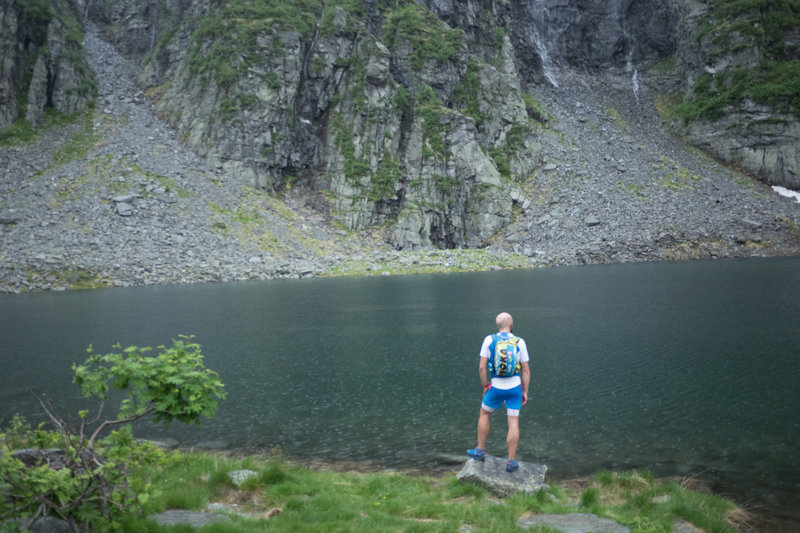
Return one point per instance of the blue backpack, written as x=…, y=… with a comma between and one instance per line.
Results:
x=504, y=356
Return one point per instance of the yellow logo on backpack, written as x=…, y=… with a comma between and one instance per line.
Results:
x=504, y=360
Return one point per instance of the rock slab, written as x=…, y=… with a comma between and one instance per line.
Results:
x=193, y=518
x=573, y=523
x=491, y=474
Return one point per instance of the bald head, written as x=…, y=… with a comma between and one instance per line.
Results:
x=504, y=322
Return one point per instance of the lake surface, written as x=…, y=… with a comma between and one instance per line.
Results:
x=686, y=369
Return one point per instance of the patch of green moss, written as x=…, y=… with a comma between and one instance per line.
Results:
x=447, y=185
x=38, y=13
x=80, y=144
x=429, y=108
x=429, y=37
x=224, y=43
x=503, y=153
x=385, y=179
x=618, y=118
x=433, y=262
x=353, y=8
x=762, y=25
x=467, y=93
x=70, y=278
x=355, y=168
x=20, y=132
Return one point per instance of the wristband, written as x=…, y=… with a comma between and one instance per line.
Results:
x=487, y=386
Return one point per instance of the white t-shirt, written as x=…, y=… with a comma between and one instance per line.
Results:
x=513, y=381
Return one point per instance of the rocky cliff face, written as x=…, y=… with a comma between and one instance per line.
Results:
x=424, y=130
x=414, y=118
x=43, y=65
x=730, y=65
x=618, y=34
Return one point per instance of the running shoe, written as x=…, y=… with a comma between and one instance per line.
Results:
x=477, y=453
x=512, y=465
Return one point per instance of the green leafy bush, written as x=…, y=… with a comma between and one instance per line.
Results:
x=88, y=480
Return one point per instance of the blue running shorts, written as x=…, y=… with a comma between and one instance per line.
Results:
x=495, y=397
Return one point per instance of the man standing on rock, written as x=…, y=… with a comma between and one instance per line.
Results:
x=503, y=358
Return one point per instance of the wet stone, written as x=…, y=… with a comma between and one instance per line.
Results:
x=491, y=474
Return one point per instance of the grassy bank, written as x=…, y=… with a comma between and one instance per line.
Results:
x=285, y=496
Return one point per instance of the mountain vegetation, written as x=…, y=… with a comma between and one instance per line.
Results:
x=763, y=36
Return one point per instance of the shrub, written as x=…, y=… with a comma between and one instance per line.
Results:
x=88, y=481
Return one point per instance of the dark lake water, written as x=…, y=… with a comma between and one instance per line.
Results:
x=686, y=369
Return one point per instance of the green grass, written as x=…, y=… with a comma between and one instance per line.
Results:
x=513, y=144
x=73, y=278
x=283, y=495
x=671, y=175
x=467, y=93
x=299, y=498
x=80, y=144
x=618, y=118
x=20, y=132
x=433, y=262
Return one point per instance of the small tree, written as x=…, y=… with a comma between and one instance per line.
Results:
x=87, y=481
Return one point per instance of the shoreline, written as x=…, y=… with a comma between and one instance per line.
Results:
x=393, y=263
x=771, y=519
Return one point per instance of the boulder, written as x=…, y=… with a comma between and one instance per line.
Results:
x=572, y=523
x=193, y=518
x=491, y=474
x=238, y=477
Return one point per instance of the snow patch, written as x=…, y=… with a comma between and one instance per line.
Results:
x=783, y=191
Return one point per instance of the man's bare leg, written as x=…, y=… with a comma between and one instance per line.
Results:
x=513, y=436
x=483, y=428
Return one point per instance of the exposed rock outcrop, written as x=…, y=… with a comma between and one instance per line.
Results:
x=430, y=142
x=43, y=64
x=417, y=118
x=572, y=523
x=754, y=138
x=491, y=474
x=761, y=139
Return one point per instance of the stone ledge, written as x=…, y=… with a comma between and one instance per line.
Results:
x=193, y=518
x=573, y=523
x=491, y=474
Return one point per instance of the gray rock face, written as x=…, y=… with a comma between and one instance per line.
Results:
x=384, y=133
x=759, y=139
x=340, y=108
x=491, y=474
x=45, y=524
x=43, y=64
x=755, y=139
x=591, y=35
x=238, y=477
